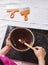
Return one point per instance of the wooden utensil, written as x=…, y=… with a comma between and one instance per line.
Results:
x=23, y=42
x=28, y=45
x=12, y=12
x=24, y=12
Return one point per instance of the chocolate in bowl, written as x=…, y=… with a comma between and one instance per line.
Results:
x=23, y=34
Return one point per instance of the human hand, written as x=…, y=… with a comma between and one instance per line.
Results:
x=39, y=52
x=8, y=43
x=7, y=47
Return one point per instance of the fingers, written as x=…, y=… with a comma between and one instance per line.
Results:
x=37, y=47
x=41, y=48
x=34, y=49
x=8, y=37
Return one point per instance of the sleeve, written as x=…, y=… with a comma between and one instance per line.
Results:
x=6, y=61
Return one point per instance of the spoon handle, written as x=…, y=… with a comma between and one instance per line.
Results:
x=28, y=45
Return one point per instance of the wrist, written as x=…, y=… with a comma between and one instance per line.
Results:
x=8, y=46
x=41, y=61
x=41, y=58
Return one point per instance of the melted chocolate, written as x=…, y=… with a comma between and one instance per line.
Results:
x=22, y=34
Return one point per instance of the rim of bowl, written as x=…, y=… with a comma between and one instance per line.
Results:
x=29, y=44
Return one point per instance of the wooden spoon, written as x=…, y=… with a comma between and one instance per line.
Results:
x=23, y=42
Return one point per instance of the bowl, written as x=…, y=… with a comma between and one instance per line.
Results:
x=23, y=34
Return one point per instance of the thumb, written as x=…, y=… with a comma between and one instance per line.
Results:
x=34, y=49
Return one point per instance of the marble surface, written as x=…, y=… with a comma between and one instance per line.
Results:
x=38, y=17
x=38, y=10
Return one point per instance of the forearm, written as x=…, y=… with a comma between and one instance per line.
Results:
x=41, y=61
x=5, y=50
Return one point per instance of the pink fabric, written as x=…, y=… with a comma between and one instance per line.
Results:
x=6, y=60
